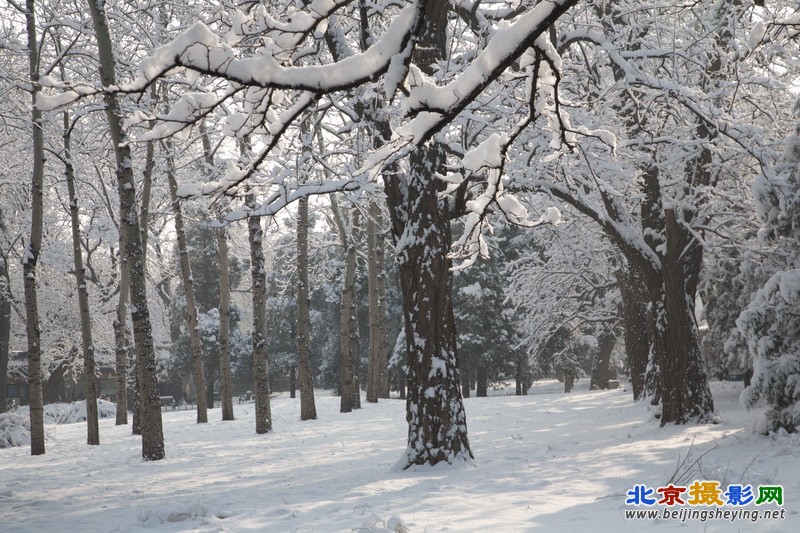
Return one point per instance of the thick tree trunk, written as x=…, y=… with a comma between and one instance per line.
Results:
x=634, y=313
x=684, y=383
x=308, y=409
x=260, y=369
x=437, y=424
x=602, y=363
x=225, y=387
x=152, y=431
x=87, y=344
x=188, y=289
x=31, y=257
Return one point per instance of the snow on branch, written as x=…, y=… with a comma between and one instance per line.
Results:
x=203, y=51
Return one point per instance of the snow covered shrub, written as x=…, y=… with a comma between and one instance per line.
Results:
x=771, y=326
x=15, y=428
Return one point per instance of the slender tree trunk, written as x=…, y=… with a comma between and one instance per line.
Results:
x=260, y=369
x=5, y=329
x=482, y=383
x=31, y=258
x=308, y=409
x=378, y=372
x=225, y=387
x=188, y=289
x=87, y=344
x=152, y=430
x=348, y=336
x=373, y=372
x=120, y=337
x=382, y=325
x=466, y=372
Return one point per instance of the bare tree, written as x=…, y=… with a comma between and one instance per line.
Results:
x=259, y=290
x=31, y=257
x=188, y=289
x=225, y=389
x=152, y=431
x=87, y=343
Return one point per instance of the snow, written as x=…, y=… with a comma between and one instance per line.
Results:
x=545, y=462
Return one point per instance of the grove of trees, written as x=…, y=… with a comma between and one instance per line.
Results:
x=252, y=196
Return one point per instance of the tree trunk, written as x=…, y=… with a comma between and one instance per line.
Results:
x=634, y=313
x=348, y=322
x=569, y=380
x=373, y=380
x=188, y=289
x=5, y=329
x=684, y=385
x=152, y=430
x=382, y=341
x=121, y=340
x=466, y=371
x=437, y=424
x=87, y=344
x=482, y=383
x=378, y=372
x=31, y=257
x=225, y=387
x=260, y=368
x=308, y=409
x=602, y=364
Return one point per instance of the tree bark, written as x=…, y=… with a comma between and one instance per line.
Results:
x=308, y=409
x=31, y=258
x=225, y=387
x=602, y=364
x=378, y=372
x=437, y=425
x=5, y=329
x=121, y=340
x=260, y=369
x=633, y=310
x=348, y=320
x=482, y=383
x=87, y=344
x=188, y=289
x=152, y=430
x=684, y=383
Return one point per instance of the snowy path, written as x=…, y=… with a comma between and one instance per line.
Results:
x=546, y=462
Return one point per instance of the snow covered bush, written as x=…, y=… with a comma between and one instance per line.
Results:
x=15, y=428
x=770, y=325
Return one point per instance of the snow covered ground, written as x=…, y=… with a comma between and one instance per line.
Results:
x=545, y=462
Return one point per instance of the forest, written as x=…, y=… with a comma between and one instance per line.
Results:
x=207, y=203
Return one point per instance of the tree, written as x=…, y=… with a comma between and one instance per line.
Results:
x=259, y=291
x=188, y=290
x=31, y=258
x=152, y=431
x=225, y=392
x=87, y=343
